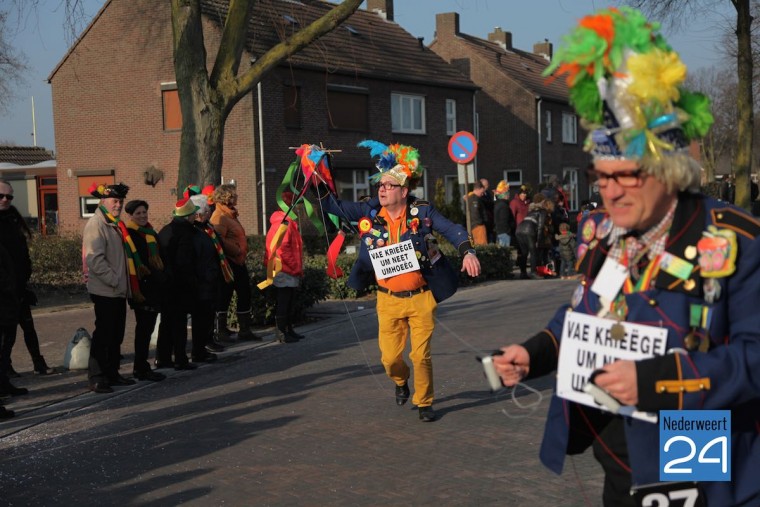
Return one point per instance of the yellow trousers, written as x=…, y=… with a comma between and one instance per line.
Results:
x=401, y=317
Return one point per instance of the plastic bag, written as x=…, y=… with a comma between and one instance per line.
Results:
x=77, y=354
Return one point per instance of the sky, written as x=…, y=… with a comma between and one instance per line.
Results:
x=42, y=39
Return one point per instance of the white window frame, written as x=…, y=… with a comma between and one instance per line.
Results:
x=513, y=182
x=548, y=126
x=403, y=108
x=451, y=117
x=83, y=202
x=358, y=186
x=569, y=128
x=570, y=176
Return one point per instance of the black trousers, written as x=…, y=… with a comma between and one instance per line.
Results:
x=7, y=338
x=145, y=323
x=617, y=480
x=241, y=285
x=284, y=311
x=105, y=351
x=527, y=246
x=203, y=315
x=172, y=334
x=31, y=340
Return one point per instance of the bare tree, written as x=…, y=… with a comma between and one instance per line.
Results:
x=12, y=65
x=206, y=99
x=677, y=12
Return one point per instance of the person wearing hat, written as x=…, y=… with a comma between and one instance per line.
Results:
x=504, y=220
x=660, y=260
x=412, y=275
x=106, y=253
x=177, y=248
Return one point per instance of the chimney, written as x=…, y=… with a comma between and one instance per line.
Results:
x=447, y=24
x=502, y=38
x=383, y=7
x=544, y=49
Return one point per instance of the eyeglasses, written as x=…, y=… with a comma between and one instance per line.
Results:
x=6, y=196
x=627, y=179
x=386, y=186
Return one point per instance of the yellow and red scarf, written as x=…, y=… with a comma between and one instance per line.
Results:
x=226, y=270
x=135, y=268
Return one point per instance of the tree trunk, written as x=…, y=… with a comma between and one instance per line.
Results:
x=744, y=114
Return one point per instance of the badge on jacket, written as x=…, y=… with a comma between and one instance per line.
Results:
x=717, y=252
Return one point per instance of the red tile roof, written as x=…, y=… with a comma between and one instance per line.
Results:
x=366, y=44
x=24, y=155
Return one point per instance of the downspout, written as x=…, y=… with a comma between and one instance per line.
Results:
x=475, y=129
x=540, y=135
x=263, y=180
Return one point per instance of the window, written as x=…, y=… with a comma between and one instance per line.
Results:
x=548, y=126
x=347, y=110
x=352, y=185
x=569, y=129
x=292, y=106
x=570, y=180
x=87, y=203
x=513, y=177
x=171, y=107
x=451, y=117
x=408, y=113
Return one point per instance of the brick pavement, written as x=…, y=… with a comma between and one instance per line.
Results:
x=312, y=423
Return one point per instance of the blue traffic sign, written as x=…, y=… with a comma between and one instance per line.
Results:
x=462, y=147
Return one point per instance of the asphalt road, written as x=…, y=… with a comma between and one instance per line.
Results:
x=311, y=423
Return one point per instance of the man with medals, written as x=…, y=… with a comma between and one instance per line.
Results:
x=399, y=252
x=668, y=275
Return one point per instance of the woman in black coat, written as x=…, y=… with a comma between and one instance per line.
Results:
x=152, y=283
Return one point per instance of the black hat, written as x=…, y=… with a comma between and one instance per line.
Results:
x=103, y=191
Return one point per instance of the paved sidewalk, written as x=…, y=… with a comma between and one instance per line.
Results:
x=311, y=423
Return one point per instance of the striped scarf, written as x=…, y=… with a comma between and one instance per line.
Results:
x=151, y=238
x=226, y=270
x=135, y=266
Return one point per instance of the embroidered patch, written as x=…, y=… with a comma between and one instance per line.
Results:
x=588, y=230
x=604, y=228
x=717, y=252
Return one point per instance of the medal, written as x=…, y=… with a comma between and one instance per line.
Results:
x=577, y=296
x=691, y=342
x=711, y=289
x=690, y=252
x=588, y=230
x=604, y=228
x=617, y=331
x=413, y=211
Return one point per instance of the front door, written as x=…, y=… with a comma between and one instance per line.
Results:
x=48, y=199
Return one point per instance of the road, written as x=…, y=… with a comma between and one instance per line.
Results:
x=311, y=423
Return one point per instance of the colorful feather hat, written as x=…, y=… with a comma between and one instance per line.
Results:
x=626, y=85
x=399, y=161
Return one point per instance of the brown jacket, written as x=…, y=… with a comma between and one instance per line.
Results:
x=231, y=232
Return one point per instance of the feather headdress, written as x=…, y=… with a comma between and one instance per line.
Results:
x=399, y=161
x=626, y=85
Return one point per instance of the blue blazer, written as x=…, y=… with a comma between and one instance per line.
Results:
x=726, y=374
x=440, y=277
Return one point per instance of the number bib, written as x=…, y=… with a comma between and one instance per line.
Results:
x=669, y=494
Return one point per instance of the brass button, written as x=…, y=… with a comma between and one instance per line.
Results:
x=689, y=284
x=583, y=282
x=683, y=388
x=701, y=387
x=719, y=216
x=662, y=389
x=652, y=302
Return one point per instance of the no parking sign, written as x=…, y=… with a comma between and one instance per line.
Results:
x=462, y=147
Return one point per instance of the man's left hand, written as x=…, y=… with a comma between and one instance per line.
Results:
x=471, y=264
x=619, y=379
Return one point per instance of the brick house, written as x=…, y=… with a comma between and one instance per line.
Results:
x=528, y=132
x=31, y=171
x=117, y=118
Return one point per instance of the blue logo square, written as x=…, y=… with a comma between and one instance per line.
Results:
x=695, y=445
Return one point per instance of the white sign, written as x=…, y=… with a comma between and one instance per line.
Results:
x=587, y=345
x=394, y=259
x=470, y=173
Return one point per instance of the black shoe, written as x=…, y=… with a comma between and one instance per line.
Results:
x=185, y=366
x=11, y=390
x=214, y=347
x=163, y=364
x=524, y=276
x=101, y=387
x=248, y=336
x=402, y=394
x=292, y=332
x=208, y=357
x=118, y=380
x=427, y=414
x=284, y=337
x=5, y=413
x=41, y=367
x=150, y=375
x=12, y=373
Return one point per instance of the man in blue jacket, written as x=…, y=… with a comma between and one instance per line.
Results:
x=660, y=261
x=399, y=251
